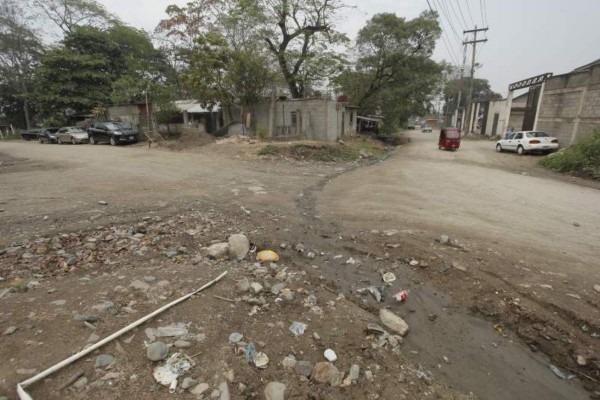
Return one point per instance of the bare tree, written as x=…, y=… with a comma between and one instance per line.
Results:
x=69, y=13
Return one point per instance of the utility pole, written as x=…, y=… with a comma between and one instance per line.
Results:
x=461, y=88
x=474, y=43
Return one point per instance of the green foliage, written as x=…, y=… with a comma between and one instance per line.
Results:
x=481, y=91
x=262, y=132
x=582, y=158
x=68, y=14
x=394, y=75
x=351, y=151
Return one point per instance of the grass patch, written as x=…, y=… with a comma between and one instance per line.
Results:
x=583, y=158
x=326, y=152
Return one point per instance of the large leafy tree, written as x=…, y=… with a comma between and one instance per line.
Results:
x=20, y=48
x=68, y=14
x=394, y=74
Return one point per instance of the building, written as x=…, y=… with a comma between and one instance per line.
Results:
x=206, y=119
x=311, y=119
x=566, y=106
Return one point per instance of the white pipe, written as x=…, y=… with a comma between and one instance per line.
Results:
x=20, y=386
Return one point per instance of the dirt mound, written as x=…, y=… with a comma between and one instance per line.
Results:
x=189, y=139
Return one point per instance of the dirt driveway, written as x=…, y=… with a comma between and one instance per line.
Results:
x=479, y=326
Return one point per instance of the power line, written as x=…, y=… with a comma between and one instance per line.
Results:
x=469, y=10
x=461, y=14
x=444, y=36
x=448, y=19
x=482, y=8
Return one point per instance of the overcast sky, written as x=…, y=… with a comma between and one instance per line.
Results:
x=525, y=37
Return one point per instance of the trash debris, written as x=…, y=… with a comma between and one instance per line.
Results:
x=376, y=293
x=374, y=328
x=560, y=373
x=250, y=352
x=267, y=256
x=389, y=277
x=401, y=295
x=330, y=355
x=414, y=262
x=261, y=360
x=176, y=329
x=298, y=328
x=442, y=269
x=351, y=261
x=174, y=367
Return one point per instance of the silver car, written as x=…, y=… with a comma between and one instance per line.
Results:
x=72, y=134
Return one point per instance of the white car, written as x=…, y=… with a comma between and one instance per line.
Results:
x=527, y=142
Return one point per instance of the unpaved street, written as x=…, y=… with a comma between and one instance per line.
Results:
x=515, y=292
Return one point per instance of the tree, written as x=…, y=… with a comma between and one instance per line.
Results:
x=394, y=74
x=67, y=14
x=220, y=74
x=481, y=92
x=20, y=48
x=295, y=32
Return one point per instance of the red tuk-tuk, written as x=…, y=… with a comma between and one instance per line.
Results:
x=449, y=139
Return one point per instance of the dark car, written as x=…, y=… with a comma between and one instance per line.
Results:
x=48, y=135
x=112, y=132
x=31, y=134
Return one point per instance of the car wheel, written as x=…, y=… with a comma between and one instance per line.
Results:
x=92, y=140
x=113, y=142
x=520, y=150
x=58, y=141
x=73, y=141
x=499, y=148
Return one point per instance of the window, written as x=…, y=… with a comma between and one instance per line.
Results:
x=536, y=134
x=519, y=136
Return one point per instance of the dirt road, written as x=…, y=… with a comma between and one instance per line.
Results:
x=513, y=222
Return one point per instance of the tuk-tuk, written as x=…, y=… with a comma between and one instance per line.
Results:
x=449, y=139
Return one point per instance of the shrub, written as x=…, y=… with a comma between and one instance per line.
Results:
x=582, y=158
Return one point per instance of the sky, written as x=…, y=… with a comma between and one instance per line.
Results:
x=525, y=37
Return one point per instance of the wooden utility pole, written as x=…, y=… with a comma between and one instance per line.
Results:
x=474, y=43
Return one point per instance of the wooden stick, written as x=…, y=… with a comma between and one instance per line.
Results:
x=223, y=298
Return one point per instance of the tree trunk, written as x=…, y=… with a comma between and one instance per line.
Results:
x=26, y=105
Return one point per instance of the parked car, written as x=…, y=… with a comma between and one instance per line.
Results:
x=31, y=134
x=426, y=129
x=48, y=135
x=528, y=142
x=72, y=134
x=113, y=132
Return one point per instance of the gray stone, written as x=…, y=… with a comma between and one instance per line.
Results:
x=85, y=318
x=289, y=362
x=239, y=246
x=93, y=338
x=182, y=344
x=71, y=261
x=337, y=379
x=304, y=368
x=354, y=372
x=324, y=372
x=157, y=351
x=243, y=285
x=25, y=371
x=150, y=279
x=275, y=289
x=188, y=383
x=275, y=391
x=58, y=303
x=444, y=239
x=288, y=295
x=256, y=288
x=104, y=306
x=10, y=330
x=139, y=285
x=393, y=322
x=235, y=337
x=369, y=375
x=80, y=383
x=171, y=253
x=200, y=389
x=103, y=360
x=218, y=250
x=597, y=288
x=224, y=391
x=102, y=202
x=108, y=238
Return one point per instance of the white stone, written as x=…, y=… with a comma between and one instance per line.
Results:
x=393, y=322
x=275, y=391
x=218, y=250
x=239, y=246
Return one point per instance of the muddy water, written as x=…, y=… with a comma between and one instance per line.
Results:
x=480, y=360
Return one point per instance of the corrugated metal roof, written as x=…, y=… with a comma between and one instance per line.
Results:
x=192, y=106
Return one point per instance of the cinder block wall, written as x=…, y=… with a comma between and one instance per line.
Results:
x=570, y=108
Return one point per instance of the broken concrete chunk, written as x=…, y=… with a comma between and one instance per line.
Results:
x=218, y=250
x=393, y=322
x=239, y=246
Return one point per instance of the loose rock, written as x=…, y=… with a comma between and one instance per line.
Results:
x=182, y=344
x=188, y=383
x=104, y=360
x=304, y=368
x=354, y=372
x=157, y=351
x=275, y=391
x=224, y=390
x=239, y=246
x=10, y=330
x=243, y=285
x=58, y=303
x=256, y=288
x=330, y=355
x=200, y=389
x=218, y=250
x=324, y=372
x=393, y=322
x=289, y=362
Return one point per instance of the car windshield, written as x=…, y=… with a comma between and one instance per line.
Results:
x=510, y=135
x=76, y=130
x=116, y=125
x=536, y=134
x=452, y=134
